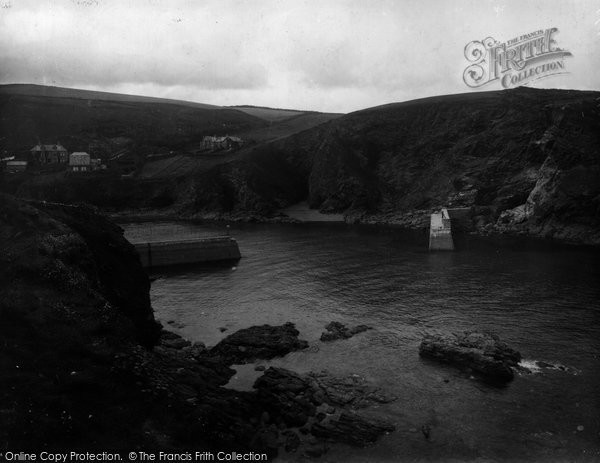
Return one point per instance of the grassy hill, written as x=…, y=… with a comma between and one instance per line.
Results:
x=74, y=93
x=76, y=123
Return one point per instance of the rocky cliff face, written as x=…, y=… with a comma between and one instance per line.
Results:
x=85, y=366
x=525, y=161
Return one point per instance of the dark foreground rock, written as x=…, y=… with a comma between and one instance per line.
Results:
x=294, y=400
x=85, y=365
x=337, y=330
x=483, y=353
x=259, y=342
x=352, y=429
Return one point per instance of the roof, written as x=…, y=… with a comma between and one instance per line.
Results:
x=79, y=158
x=48, y=148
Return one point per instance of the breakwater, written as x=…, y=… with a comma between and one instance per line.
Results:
x=440, y=232
x=187, y=251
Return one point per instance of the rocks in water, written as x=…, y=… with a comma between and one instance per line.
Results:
x=337, y=330
x=294, y=398
x=483, y=353
x=286, y=395
x=352, y=428
x=353, y=390
x=171, y=340
x=259, y=342
x=292, y=441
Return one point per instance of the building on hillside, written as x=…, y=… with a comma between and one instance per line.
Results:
x=221, y=143
x=15, y=166
x=80, y=161
x=49, y=154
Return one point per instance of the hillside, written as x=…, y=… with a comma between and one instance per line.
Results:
x=268, y=114
x=111, y=125
x=524, y=161
x=74, y=93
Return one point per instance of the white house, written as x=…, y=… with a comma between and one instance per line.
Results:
x=80, y=161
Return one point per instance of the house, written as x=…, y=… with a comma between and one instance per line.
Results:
x=221, y=143
x=15, y=166
x=80, y=161
x=49, y=154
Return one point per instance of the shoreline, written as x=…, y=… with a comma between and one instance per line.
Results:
x=416, y=221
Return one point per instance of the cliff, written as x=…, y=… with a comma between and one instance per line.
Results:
x=86, y=367
x=524, y=161
x=81, y=357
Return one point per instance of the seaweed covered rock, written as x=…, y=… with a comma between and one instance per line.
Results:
x=293, y=397
x=352, y=429
x=259, y=342
x=337, y=330
x=483, y=353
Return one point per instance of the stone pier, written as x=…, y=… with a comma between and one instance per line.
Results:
x=440, y=232
x=188, y=251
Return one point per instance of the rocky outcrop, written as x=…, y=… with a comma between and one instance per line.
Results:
x=337, y=330
x=86, y=366
x=481, y=353
x=296, y=400
x=352, y=429
x=259, y=342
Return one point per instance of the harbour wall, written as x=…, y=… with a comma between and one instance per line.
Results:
x=176, y=252
x=440, y=232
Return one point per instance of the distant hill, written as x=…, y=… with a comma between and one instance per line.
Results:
x=111, y=121
x=109, y=124
x=269, y=114
x=62, y=92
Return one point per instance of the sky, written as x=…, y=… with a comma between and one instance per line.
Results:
x=325, y=55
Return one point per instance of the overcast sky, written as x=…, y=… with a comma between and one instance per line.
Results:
x=324, y=55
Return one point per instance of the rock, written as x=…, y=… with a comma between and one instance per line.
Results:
x=177, y=343
x=315, y=450
x=336, y=330
x=279, y=392
x=426, y=430
x=292, y=441
x=259, y=368
x=483, y=353
x=352, y=429
x=222, y=329
x=353, y=391
x=259, y=342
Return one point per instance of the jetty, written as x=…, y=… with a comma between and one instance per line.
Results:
x=187, y=251
x=440, y=232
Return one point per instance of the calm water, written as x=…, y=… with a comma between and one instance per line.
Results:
x=544, y=301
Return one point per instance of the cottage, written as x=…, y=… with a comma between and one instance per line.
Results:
x=16, y=166
x=221, y=143
x=80, y=161
x=50, y=154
